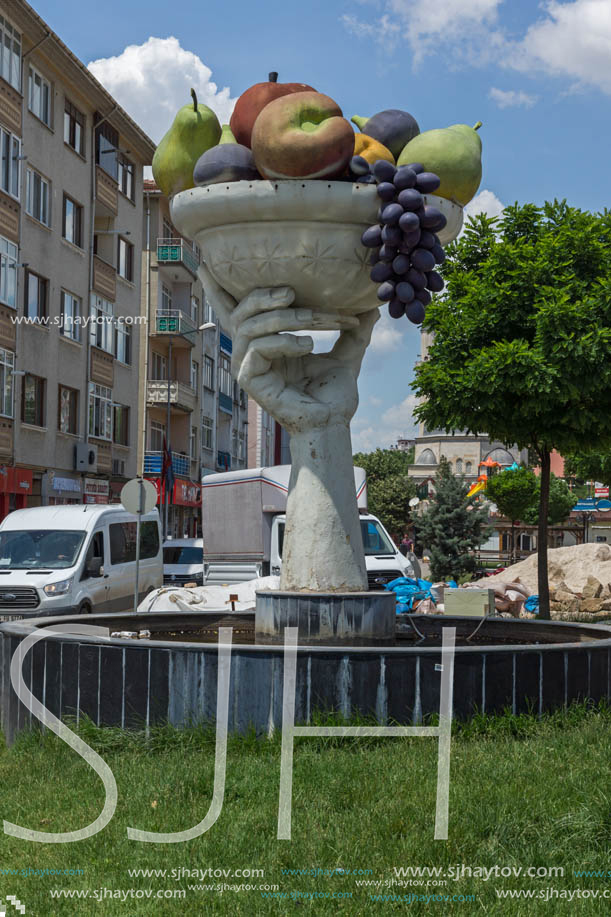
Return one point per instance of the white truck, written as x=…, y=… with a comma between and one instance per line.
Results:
x=243, y=519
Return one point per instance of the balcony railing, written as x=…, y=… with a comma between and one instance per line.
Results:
x=177, y=251
x=175, y=321
x=180, y=395
x=223, y=460
x=153, y=462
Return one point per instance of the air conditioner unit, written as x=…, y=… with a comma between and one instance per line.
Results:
x=85, y=457
x=118, y=466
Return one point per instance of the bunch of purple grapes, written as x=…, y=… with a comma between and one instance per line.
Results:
x=405, y=246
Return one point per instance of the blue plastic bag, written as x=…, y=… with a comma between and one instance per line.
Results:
x=532, y=604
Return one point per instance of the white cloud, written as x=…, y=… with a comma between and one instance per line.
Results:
x=512, y=98
x=387, y=333
x=485, y=202
x=574, y=40
x=397, y=421
x=570, y=39
x=153, y=80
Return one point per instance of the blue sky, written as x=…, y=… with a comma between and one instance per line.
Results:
x=537, y=75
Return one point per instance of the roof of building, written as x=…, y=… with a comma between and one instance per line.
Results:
x=24, y=16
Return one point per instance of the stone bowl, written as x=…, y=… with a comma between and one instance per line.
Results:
x=302, y=234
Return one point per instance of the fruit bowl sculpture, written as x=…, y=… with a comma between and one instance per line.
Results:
x=306, y=235
x=306, y=226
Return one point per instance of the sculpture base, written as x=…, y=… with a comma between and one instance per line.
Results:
x=327, y=618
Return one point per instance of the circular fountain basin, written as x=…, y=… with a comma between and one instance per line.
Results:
x=170, y=673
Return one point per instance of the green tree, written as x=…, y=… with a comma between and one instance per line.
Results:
x=589, y=466
x=522, y=338
x=389, y=489
x=514, y=493
x=453, y=526
x=561, y=502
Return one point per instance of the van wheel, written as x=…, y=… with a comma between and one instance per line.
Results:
x=85, y=609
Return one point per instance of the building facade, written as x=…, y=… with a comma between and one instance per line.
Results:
x=187, y=395
x=70, y=247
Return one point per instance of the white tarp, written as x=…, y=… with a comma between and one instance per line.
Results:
x=207, y=598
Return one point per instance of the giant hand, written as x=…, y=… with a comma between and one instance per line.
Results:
x=301, y=390
x=314, y=397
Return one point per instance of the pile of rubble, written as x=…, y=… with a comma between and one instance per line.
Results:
x=579, y=578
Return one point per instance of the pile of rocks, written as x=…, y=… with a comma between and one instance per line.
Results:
x=592, y=603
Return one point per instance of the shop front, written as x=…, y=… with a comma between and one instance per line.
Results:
x=61, y=489
x=96, y=490
x=15, y=488
x=184, y=515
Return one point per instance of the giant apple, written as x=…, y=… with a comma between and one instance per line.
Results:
x=303, y=135
x=254, y=100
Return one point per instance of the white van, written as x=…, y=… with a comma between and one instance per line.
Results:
x=183, y=561
x=76, y=559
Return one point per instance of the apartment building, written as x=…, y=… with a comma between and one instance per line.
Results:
x=70, y=250
x=268, y=441
x=188, y=397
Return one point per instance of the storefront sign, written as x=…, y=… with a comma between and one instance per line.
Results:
x=96, y=488
x=15, y=481
x=185, y=493
x=72, y=485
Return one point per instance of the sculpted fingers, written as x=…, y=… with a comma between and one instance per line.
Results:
x=260, y=353
x=265, y=299
x=281, y=320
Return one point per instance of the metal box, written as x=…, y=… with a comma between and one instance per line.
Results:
x=475, y=603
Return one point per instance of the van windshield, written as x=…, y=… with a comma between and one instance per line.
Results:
x=39, y=549
x=181, y=554
x=375, y=541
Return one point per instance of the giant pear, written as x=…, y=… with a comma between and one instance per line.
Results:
x=454, y=154
x=195, y=129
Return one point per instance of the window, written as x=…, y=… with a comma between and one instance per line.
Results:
x=159, y=366
x=166, y=299
x=121, y=425
x=458, y=466
x=39, y=96
x=74, y=128
x=102, y=327
x=100, y=411
x=11, y=151
x=37, y=197
x=123, y=342
x=72, y=221
x=35, y=306
x=234, y=444
x=194, y=375
x=208, y=312
x=125, y=260
x=67, y=421
x=157, y=436
x=7, y=363
x=236, y=392
x=106, y=146
x=122, y=536
x=193, y=443
x=209, y=373
x=194, y=308
x=242, y=447
x=33, y=400
x=207, y=431
x=225, y=380
x=8, y=272
x=10, y=54
x=70, y=325
x=468, y=467
x=168, y=230
x=125, y=176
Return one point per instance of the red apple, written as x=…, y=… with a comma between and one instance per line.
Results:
x=253, y=100
x=302, y=135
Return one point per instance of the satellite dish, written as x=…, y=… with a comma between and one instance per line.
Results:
x=414, y=501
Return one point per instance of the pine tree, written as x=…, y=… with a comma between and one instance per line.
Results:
x=453, y=526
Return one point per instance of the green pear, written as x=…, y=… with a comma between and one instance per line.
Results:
x=227, y=135
x=454, y=154
x=195, y=130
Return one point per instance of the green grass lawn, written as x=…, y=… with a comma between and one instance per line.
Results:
x=524, y=793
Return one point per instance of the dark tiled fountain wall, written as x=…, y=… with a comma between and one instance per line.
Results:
x=134, y=684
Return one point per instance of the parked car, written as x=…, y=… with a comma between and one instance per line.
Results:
x=183, y=561
x=58, y=560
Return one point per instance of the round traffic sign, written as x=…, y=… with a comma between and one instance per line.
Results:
x=603, y=506
x=139, y=496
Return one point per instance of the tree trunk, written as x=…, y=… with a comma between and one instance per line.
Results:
x=542, y=536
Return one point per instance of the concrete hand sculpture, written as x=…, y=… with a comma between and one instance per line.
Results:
x=314, y=397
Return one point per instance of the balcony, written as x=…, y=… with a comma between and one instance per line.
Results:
x=178, y=255
x=223, y=461
x=153, y=462
x=177, y=323
x=104, y=278
x=182, y=397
